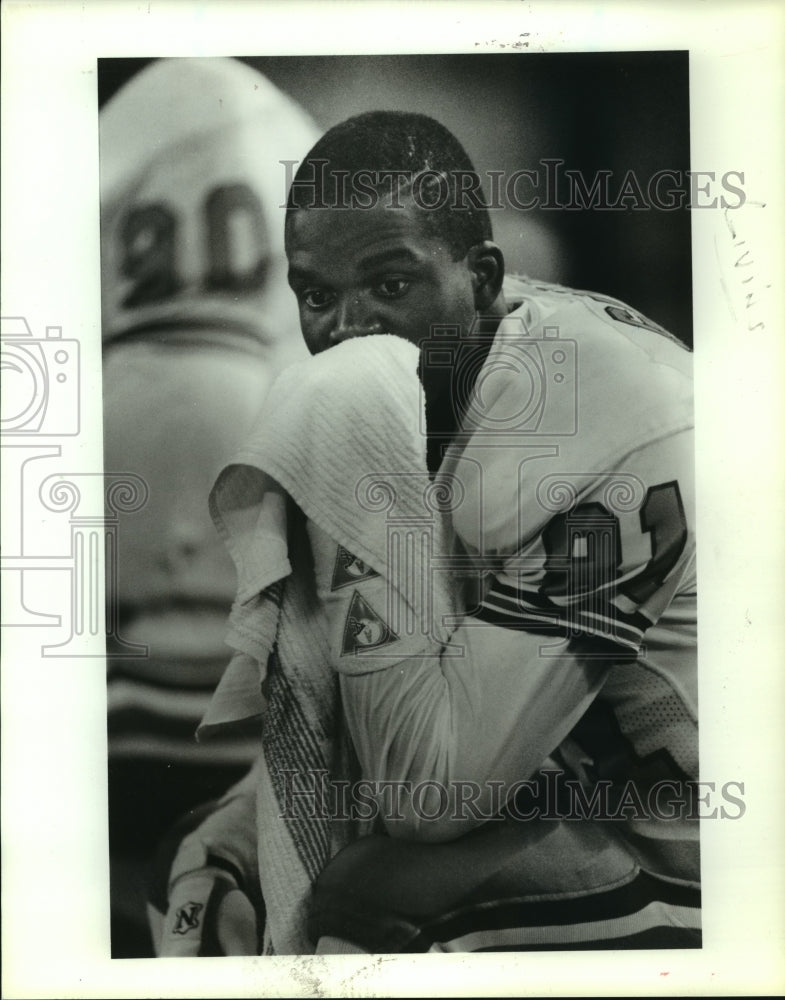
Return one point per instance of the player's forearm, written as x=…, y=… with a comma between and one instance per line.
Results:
x=452, y=733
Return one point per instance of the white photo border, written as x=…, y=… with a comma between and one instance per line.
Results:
x=55, y=858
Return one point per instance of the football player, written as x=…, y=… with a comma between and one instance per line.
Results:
x=566, y=417
x=196, y=320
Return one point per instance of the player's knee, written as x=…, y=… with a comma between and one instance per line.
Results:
x=433, y=813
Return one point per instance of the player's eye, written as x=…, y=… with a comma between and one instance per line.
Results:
x=317, y=298
x=392, y=288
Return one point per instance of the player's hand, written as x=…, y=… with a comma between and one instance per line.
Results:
x=208, y=916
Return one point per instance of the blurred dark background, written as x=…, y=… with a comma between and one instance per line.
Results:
x=615, y=111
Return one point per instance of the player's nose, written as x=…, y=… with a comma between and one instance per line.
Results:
x=354, y=317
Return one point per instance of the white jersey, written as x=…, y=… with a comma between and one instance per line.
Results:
x=593, y=514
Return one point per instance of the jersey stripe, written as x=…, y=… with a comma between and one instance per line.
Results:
x=519, y=595
x=683, y=922
x=522, y=608
x=643, y=904
x=646, y=912
x=154, y=721
x=627, y=641
x=161, y=748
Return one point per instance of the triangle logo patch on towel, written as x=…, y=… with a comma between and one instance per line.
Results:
x=364, y=628
x=349, y=569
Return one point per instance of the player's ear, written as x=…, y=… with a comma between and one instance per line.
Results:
x=486, y=263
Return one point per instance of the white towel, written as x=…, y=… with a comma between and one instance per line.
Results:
x=340, y=440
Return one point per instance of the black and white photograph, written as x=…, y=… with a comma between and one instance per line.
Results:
x=574, y=662
x=377, y=530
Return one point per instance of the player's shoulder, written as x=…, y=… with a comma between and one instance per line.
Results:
x=609, y=345
x=594, y=316
x=559, y=375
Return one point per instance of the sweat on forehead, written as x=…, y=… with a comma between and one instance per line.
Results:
x=394, y=158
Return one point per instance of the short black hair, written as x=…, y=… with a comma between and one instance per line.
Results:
x=416, y=153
